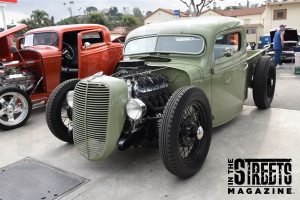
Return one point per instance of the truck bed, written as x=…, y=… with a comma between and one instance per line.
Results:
x=252, y=59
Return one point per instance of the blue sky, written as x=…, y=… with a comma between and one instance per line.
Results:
x=15, y=12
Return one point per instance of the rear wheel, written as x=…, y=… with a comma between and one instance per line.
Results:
x=264, y=82
x=59, y=113
x=185, y=132
x=15, y=108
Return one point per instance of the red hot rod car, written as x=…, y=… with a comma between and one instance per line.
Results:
x=46, y=57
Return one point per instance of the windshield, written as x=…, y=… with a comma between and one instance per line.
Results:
x=46, y=38
x=167, y=44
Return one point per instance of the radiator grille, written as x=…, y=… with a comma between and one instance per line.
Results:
x=90, y=119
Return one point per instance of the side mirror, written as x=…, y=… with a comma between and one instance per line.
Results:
x=228, y=52
x=87, y=45
x=20, y=43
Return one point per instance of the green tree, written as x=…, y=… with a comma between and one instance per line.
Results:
x=29, y=22
x=113, y=11
x=148, y=13
x=40, y=18
x=90, y=9
x=137, y=13
x=129, y=21
x=95, y=18
x=69, y=20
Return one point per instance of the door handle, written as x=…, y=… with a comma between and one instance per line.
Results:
x=246, y=65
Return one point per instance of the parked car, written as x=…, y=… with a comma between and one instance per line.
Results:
x=178, y=80
x=118, y=39
x=47, y=57
x=264, y=41
x=290, y=41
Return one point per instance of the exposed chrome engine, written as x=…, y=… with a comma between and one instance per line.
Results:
x=144, y=85
x=14, y=76
x=148, y=95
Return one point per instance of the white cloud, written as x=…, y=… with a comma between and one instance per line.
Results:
x=12, y=16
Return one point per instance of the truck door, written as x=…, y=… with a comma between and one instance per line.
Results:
x=92, y=53
x=229, y=78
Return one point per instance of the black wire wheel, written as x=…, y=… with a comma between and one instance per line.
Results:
x=185, y=132
x=191, y=131
x=264, y=82
x=59, y=113
x=66, y=115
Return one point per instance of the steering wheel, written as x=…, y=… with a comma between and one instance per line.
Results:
x=67, y=51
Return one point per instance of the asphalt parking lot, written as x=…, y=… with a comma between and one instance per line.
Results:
x=138, y=173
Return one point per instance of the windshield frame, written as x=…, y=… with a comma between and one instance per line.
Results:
x=55, y=32
x=167, y=52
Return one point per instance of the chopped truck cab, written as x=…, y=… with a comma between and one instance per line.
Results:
x=47, y=57
x=178, y=80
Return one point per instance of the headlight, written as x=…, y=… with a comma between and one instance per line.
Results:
x=70, y=98
x=135, y=109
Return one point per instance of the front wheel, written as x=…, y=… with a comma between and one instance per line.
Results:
x=59, y=113
x=15, y=108
x=185, y=132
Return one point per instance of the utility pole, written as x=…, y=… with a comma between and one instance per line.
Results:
x=3, y=16
x=248, y=4
x=72, y=7
x=65, y=9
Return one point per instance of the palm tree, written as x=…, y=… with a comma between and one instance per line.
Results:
x=41, y=18
x=29, y=22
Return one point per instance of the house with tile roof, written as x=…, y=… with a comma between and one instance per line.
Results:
x=252, y=18
x=284, y=12
x=247, y=15
x=258, y=21
x=162, y=14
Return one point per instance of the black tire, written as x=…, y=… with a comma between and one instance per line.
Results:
x=171, y=144
x=116, y=68
x=53, y=111
x=264, y=82
x=20, y=118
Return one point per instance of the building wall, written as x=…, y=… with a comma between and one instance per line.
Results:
x=252, y=19
x=292, y=19
x=159, y=16
x=256, y=36
x=210, y=13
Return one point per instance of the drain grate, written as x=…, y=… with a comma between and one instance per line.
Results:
x=31, y=179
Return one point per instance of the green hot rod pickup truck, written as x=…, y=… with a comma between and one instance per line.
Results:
x=178, y=80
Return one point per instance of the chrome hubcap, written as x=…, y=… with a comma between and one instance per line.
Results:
x=13, y=108
x=200, y=133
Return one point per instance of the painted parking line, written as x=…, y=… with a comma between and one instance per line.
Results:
x=288, y=76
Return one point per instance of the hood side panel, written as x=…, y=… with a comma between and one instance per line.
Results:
x=5, y=50
x=6, y=42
